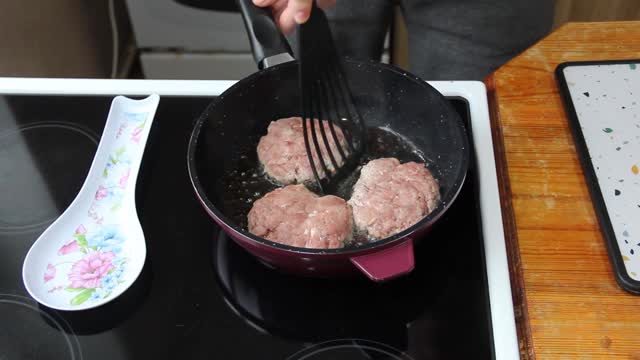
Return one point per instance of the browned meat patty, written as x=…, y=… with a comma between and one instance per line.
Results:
x=390, y=197
x=295, y=216
x=283, y=154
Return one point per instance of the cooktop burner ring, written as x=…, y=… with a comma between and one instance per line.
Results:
x=350, y=348
x=23, y=209
x=248, y=287
x=10, y=342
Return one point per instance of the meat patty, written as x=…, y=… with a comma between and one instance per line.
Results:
x=390, y=197
x=284, y=156
x=295, y=216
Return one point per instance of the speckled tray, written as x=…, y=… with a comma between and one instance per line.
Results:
x=602, y=100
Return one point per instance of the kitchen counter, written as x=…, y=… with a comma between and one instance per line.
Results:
x=567, y=302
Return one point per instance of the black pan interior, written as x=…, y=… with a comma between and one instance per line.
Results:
x=408, y=119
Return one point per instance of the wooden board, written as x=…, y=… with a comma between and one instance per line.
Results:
x=567, y=302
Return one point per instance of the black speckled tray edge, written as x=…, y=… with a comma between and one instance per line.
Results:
x=615, y=256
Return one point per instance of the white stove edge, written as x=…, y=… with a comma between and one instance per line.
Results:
x=505, y=338
x=502, y=315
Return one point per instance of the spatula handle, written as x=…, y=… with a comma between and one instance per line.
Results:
x=267, y=42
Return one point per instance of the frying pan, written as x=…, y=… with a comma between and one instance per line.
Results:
x=407, y=119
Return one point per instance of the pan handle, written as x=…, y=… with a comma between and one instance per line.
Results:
x=268, y=45
x=388, y=263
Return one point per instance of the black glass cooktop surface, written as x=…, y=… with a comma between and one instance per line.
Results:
x=200, y=296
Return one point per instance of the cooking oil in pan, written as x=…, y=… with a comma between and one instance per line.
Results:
x=248, y=182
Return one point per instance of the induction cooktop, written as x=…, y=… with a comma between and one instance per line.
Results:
x=200, y=296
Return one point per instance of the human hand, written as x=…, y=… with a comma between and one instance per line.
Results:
x=289, y=13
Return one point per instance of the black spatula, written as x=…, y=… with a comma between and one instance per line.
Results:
x=334, y=132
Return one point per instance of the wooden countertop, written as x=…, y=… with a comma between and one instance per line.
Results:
x=567, y=302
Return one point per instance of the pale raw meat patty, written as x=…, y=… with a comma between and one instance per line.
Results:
x=390, y=197
x=283, y=154
x=295, y=216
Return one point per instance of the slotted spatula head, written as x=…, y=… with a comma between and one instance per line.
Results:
x=334, y=131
